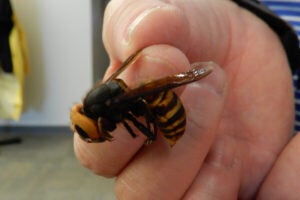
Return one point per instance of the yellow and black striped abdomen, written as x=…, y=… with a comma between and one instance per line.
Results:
x=169, y=114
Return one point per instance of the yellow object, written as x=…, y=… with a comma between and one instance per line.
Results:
x=12, y=84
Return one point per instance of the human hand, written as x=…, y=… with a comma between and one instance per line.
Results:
x=239, y=118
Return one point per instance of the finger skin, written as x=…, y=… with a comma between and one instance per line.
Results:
x=219, y=176
x=283, y=180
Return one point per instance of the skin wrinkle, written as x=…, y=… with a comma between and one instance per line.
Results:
x=237, y=61
x=226, y=165
x=133, y=174
x=222, y=158
x=87, y=153
x=230, y=31
x=240, y=14
x=125, y=185
x=209, y=192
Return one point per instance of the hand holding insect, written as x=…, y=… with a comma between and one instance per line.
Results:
x=239, y=117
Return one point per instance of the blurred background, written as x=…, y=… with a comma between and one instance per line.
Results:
x=65, y=56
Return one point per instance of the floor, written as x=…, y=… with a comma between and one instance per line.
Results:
x=43, y=167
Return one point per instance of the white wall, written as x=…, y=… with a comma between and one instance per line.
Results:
x=59, y=35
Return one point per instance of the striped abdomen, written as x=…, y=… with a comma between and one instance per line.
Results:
x=169, y=114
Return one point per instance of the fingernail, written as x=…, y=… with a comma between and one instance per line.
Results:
x=215, y=80
x=138, y=20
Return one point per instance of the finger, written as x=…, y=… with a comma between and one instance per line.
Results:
x=219, y=176
x=158, y=172
x=109, y=158
x=131, y=25
x=283, y=180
